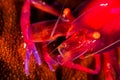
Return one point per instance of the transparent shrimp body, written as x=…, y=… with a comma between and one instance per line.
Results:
x=77, y=45
x=86, y=33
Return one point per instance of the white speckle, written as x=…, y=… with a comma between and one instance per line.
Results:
x=104, y=4
x=24, y=45
x=94, y=41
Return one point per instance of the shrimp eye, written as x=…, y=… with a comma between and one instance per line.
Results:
x=66, y=12
x=96, y=35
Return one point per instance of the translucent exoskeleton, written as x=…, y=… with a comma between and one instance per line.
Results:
x=94, y=31
x=30, y=35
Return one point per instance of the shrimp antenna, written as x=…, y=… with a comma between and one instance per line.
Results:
x=53, y=31
x=112, y=44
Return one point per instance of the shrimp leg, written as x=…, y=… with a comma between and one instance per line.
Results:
x=30, y=46
x=48, y=59
x=45, y=7
x=111, y=66
x=72, y=65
